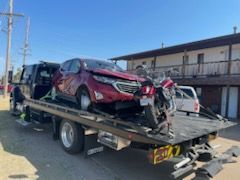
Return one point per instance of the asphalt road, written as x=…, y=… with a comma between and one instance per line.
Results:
x=31, y=153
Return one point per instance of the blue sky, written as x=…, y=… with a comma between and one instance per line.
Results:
x=103, y=29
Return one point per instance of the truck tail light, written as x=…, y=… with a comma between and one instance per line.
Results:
x=196, y=106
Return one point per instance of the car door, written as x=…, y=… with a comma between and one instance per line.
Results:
x=26, y=81
x=72, y=78
x=61, y=80
x=43, y=82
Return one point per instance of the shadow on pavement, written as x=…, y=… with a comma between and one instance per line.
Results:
x=45, y=158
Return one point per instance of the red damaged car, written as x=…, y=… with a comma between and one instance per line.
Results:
x=91, y=83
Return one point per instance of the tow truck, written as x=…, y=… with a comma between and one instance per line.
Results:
x=91, y=132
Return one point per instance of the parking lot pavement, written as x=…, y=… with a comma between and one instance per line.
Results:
x=30, y=153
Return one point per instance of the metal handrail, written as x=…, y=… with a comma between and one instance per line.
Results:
x=203, y=69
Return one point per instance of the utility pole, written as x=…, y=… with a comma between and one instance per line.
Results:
x=8, y=53
x=26, y=45
x=9, y=40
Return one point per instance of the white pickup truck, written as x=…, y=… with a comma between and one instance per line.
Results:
x=188, y=104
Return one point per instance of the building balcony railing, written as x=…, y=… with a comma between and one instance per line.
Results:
x=208, y=69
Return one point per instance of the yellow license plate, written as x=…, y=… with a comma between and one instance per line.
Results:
x=163, y=153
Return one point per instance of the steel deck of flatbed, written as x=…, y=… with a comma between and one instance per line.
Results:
x=185, y=127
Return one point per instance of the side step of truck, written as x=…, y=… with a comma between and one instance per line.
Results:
x=23, y=122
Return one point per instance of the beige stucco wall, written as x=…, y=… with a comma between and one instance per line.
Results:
x=210, y=55
x=236, y=51
x=135, y=63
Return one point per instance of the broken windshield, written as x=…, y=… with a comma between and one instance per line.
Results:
x=97, y=64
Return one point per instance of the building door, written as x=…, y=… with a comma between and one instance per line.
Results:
x=224, y=101
x=200, y=61
x=232, y=104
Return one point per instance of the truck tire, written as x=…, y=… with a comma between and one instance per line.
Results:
x=12, y=103
x=151, y=117
x=71, y=136
x=15, y=97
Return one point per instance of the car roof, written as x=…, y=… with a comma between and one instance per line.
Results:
x=43, y=63
x=88, y=59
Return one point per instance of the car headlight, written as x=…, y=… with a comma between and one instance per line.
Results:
x=104, y=79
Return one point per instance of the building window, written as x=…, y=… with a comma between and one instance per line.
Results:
x=200, y=58
x=186, y=59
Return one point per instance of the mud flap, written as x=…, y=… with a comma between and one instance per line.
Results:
x=91, y=145
x=56, y=121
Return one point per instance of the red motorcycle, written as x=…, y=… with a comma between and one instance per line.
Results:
x=157, y=96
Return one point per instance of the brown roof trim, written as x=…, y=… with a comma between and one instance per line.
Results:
x=202, y=44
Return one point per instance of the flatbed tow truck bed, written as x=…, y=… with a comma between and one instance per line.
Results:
x=191, y=135
x=185, y=127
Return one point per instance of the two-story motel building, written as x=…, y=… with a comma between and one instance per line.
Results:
x=211, y=66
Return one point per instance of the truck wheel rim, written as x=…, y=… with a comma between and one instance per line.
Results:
x=85, y=101
x=67, y=135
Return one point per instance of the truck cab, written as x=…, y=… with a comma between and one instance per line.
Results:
x=35, y=82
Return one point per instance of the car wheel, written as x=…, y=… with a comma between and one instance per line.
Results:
x=71, y=136
x=84, y=99
x=150, y=115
